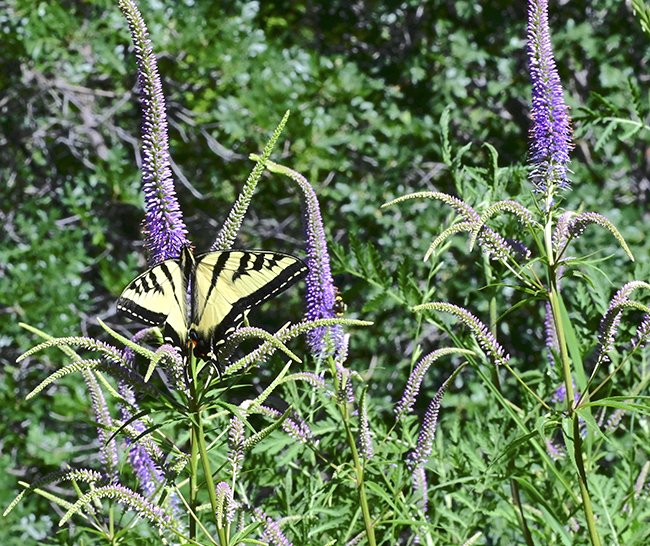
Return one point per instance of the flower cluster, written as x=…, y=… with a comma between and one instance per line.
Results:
x=405, y=404
x=225, y=503
x=484, y=337
x=365, y=436
x=294, y=425
x=321, y=291
x=271, y=533
x=612, y=318
x=236, y=444
x=164, y=230
x=551, y=126
x=108, y=445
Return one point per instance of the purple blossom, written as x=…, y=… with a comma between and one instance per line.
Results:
x=550, y=337
x=612, y=318
x=642, y=332
x=236, y=444
x=551, y=126
x=614, y=420
x=559, y=396
x=486, y=339
x=134, y=501
x=107, y=448
x=313, y=379
x=420, y=487
x=422, y=452
x=497, y=247
x=417, y=375
x=561, y=231
x=225, y=502
x=321, y=291
x=554, y=451
x=164, y=229
x=365, y=436
x=294, y=425
x=344, y=380
x=271, y=532
x=149, y=476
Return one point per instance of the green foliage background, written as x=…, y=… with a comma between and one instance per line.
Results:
x=367, y=83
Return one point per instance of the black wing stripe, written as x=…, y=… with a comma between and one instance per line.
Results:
x=168, y=274
x=141, y=313
x=289, y=276
x=216, y=272
x=242, y=269
x=258, y=264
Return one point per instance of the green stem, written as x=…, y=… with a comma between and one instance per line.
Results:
x=582, y=479
x=554, y=299
x=358, y=465
x=194, y=488
x=212, y=492
x=111, y=524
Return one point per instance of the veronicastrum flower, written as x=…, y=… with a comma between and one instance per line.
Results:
x=365, y=436
x=484, y=337
x=424, y=446
x=611, y=320
x=107, y=448
x=294, y=425
x=164, y=229
x=225, y=503
x=417, y=375
x=272, y=533
x=321, y=291
x=148, y=474
x=551, y=126
x=236, y=444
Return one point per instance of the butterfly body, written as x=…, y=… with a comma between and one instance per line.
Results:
x=200, y=300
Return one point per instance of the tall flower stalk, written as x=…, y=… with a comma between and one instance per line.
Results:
x=550, y=147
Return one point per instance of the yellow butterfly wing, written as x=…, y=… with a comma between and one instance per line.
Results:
x=158, y=297
x=229, y=283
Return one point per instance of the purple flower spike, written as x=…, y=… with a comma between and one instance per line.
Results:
x=365, y=436
x=414, y=382
x=236, y=444
x=642, y=332
x=550, y=337
x=551, y=126
x=420, y=488
x=107, y=449
x=271, y=533
x=148, y=474
x=554, y=451
x=164, y=229
x=321, y=292
x=225, y=503
x=424, y=447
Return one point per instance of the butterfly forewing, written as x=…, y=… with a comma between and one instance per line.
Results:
x=157, y=297
x=230, y=283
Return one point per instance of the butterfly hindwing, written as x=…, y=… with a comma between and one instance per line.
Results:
x=229, y=283
x=158, y=297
